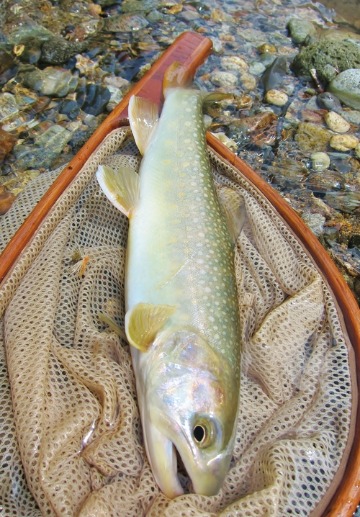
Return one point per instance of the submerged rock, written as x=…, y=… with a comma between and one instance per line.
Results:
x=45, y=149
x=336, y=122
x=324, y=57
x=300, y=29
x=6, y=200
x=7, y=142
x=344, y=142
x=311, y=137
x=8, y=66
x=329, y=101
x=125, y=23
x=273, y=77
x=93, y=98
x=346, y=86
x=58, y=50
x=52, y=81
x=320, y=161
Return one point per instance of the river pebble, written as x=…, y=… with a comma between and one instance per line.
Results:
x=276, y=97
x=344, y=142
x=224, y=79
x=320, y=161
x=336, y=122
x=346, y=86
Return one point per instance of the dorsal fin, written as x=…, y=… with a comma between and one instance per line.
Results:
x=143, y=118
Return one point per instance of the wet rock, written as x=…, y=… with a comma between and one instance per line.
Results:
x=315, y=222
x=28, y=30
x=6, y=200
x=346, y=202
x=329, y=101
x=267, y=48
x=320, y=161
x=248, y=81
x=58, y=50
x=8, y=107
x=52, y=81
x=130, y=6
x=44, y=150
x=276, y=97
x=357, y=151
x=69, y=108
x=318, y=56
x=352, y=116
x=311, y=137
x=234, y=63
x=224, y=79
x=346, y=86
x=93, y=98
x=336, y=122
x=258, y=122
x=324, y=181
x=274, y=75
x=125, y=23
x=300, y=29
x=344, y=142
x=8, y=66
x=7, y=142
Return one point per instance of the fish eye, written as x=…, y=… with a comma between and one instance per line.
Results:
x=203, y=432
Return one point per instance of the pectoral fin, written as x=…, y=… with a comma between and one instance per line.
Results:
x=121, y=188
x=234, y=208
x=143, y=118
x=144, y=321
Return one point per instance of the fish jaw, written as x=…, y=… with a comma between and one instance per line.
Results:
x=162, y=457
x=206, y=473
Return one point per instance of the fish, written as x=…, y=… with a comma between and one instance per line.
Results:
x=182, y=316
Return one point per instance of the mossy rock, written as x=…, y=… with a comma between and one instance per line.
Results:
x=311, y=137
x=325, y=55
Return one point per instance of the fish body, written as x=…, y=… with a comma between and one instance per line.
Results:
x=181, y=301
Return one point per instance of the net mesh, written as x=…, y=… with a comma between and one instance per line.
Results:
x=70, y=434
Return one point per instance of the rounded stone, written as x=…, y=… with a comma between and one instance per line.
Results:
x=225, y=79
x=276, y=97
x=248, y=81
x=300, y=29
x=346, y=86
x=320, y=161
x=344, y=142
x=336, y=122
x=234, y=63
x=357, y=151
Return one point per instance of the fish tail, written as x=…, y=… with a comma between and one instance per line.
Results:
x=177, y=75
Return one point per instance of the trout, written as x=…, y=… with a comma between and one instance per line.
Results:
x=182, y=318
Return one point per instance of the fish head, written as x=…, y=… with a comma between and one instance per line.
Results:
x=191, y=399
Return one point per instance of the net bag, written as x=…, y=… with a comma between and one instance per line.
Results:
x=70, y=434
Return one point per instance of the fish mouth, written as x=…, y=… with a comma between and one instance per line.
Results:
x=163, y=458
x=167, y=462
